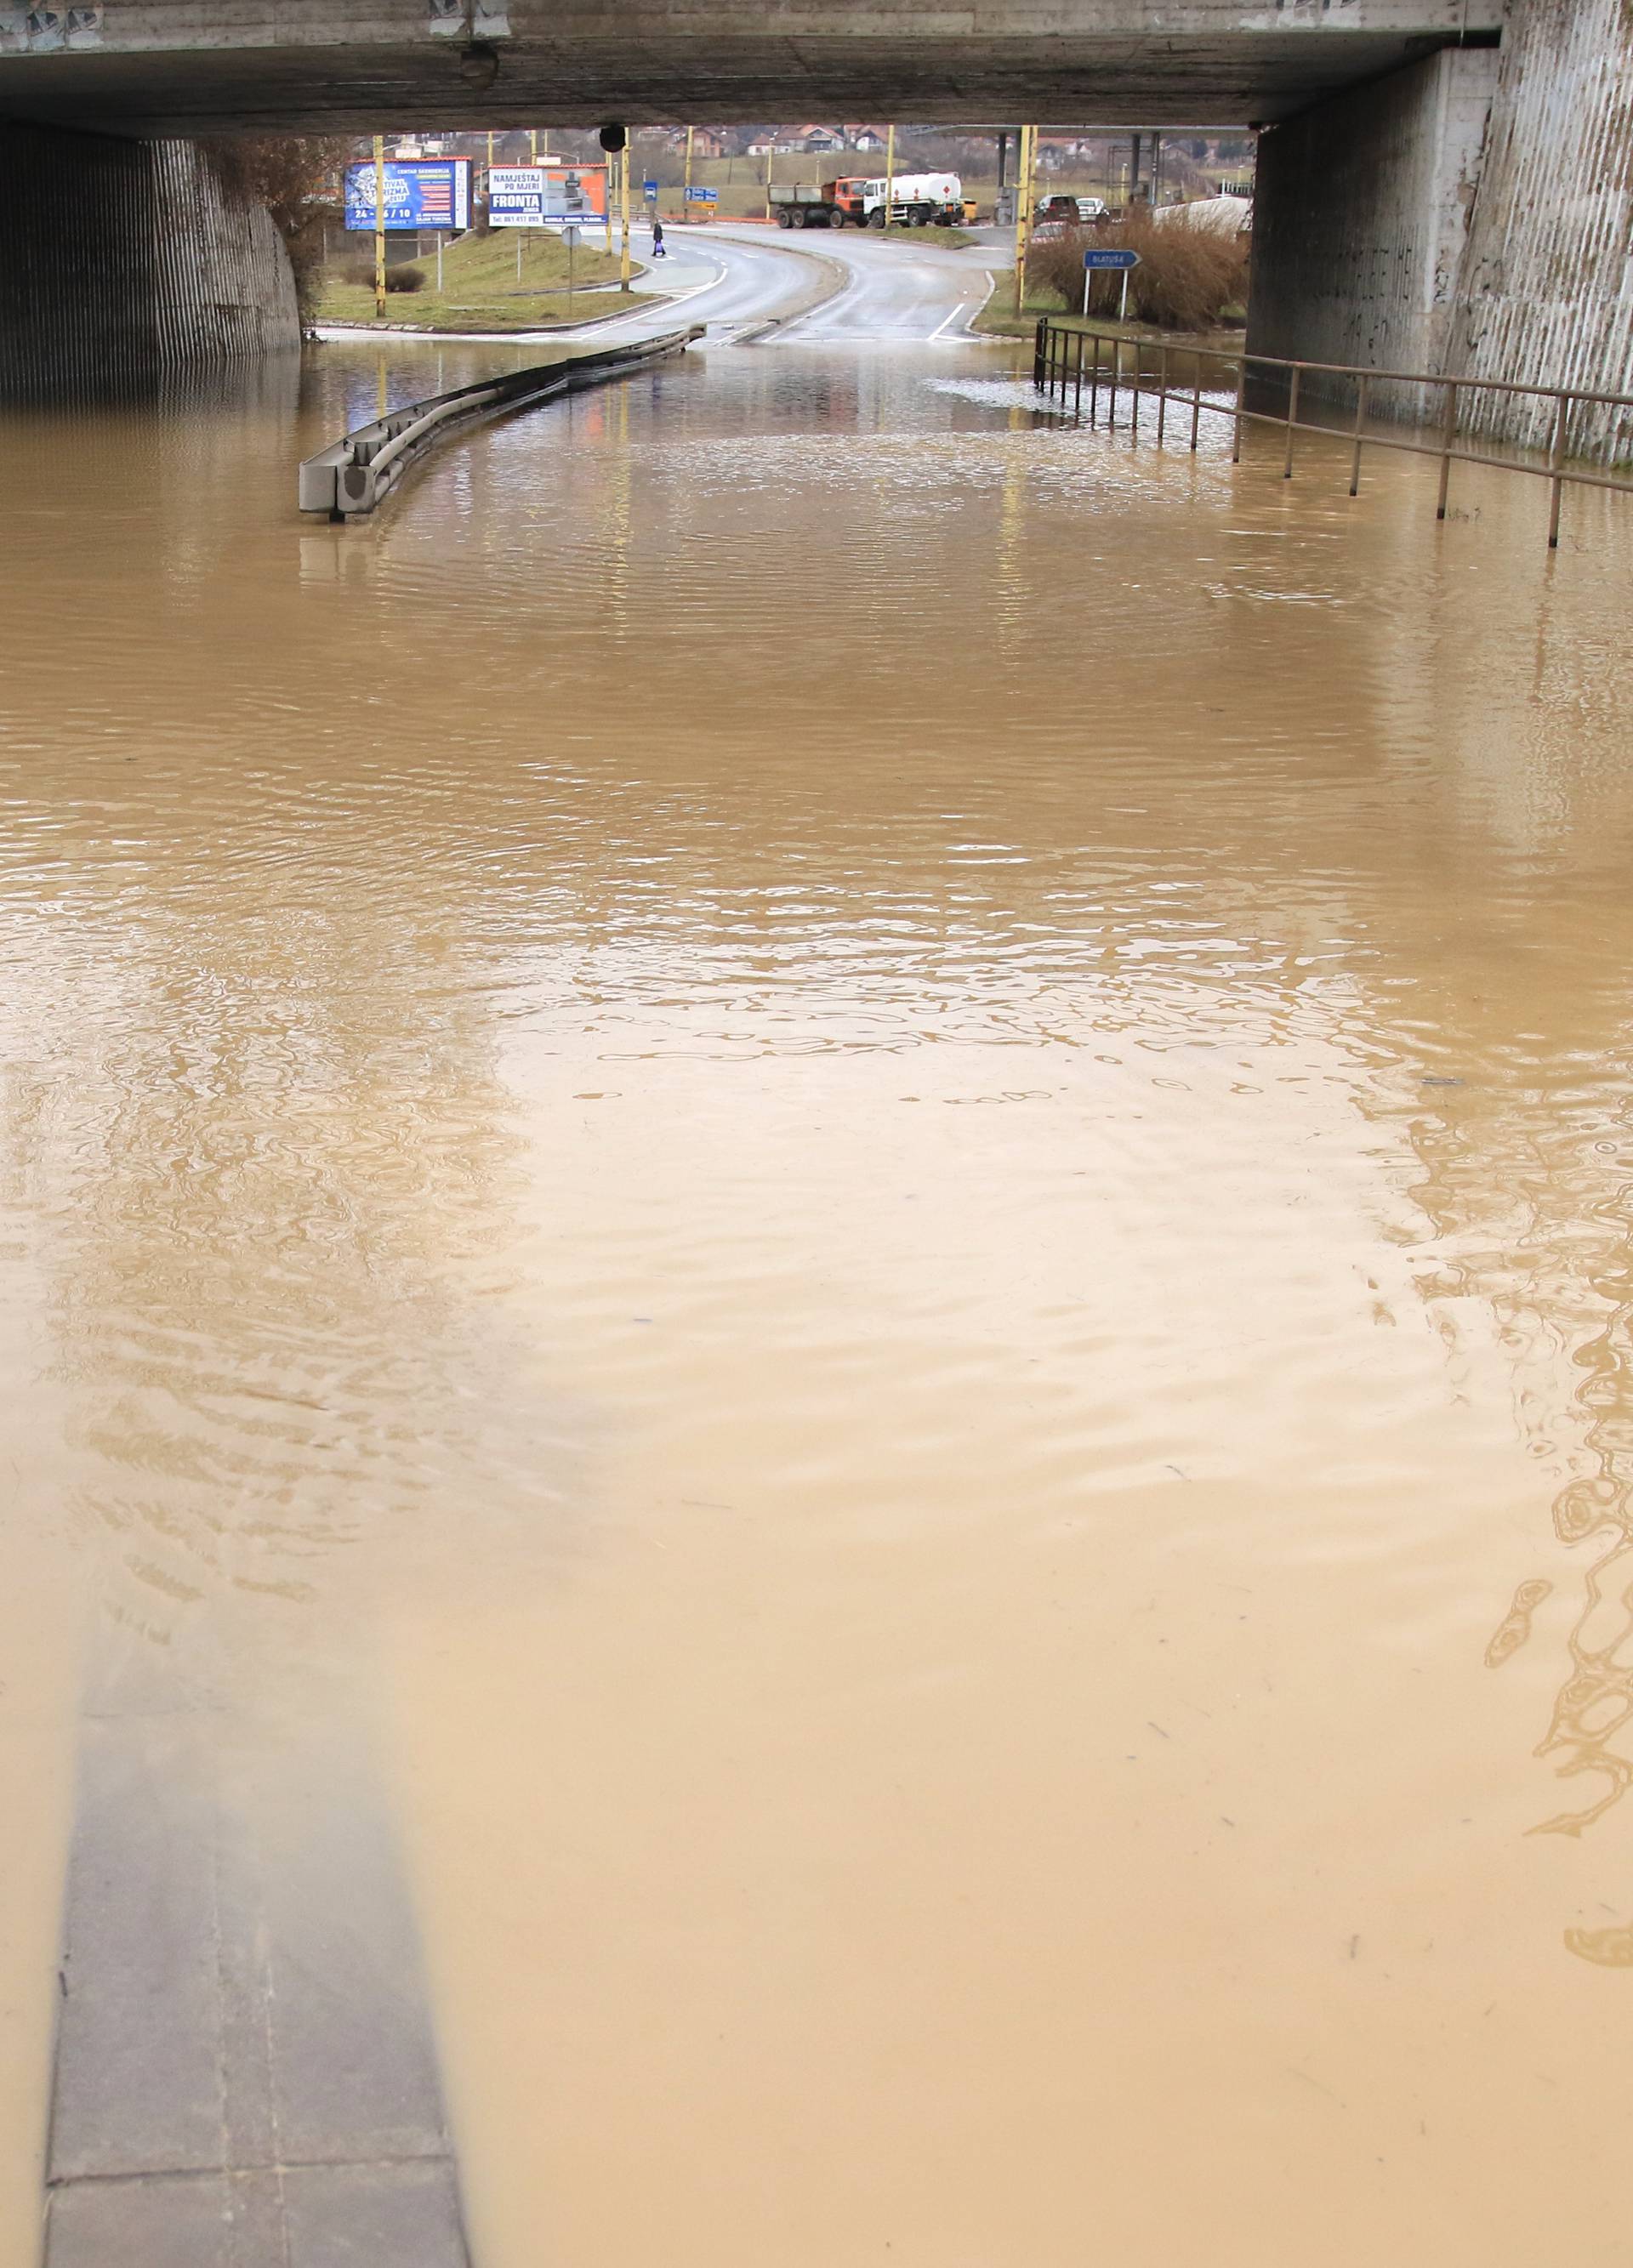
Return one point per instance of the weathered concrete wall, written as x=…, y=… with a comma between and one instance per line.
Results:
x=1473, y=215
x=1361, y=221
x=122, y=262
x=1545, y=291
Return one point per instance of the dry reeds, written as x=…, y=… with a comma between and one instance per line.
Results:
x=1188, y=275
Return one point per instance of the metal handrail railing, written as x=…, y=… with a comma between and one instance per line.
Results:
x=1058, y=367
x=349, y=478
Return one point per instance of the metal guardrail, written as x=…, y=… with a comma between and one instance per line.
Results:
x=1060, y=355
x=348, y=478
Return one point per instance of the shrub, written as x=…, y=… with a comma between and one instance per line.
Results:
x=359, y=270
x=1188, y=275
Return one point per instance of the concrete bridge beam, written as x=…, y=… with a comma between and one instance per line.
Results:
x=162, y=67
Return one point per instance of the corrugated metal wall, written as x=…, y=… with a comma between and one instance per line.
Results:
x=1545, y=290
x=120, y=261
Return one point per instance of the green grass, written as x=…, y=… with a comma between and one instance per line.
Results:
x=999, y=320
x=480, y=291
x=949, y=238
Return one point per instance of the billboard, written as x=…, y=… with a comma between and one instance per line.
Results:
x=420, y=193
x=546, y=196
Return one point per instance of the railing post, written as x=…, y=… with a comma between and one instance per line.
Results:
x=1448, y=434
x=1133, y=412
x=1196, y=399
x=1241, y=387
x=1292, y=420
x=1039, y=337
x=1161, y=391
x=1355, y=469
x=1556, y=458
x=1117, y=372
x=1094, y=377
x=1078, y=405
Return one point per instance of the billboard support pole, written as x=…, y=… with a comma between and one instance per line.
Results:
x=379, y=226
x=686, y=200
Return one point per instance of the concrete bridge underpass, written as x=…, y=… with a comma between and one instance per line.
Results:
x=1445, y=185
x=186, y=67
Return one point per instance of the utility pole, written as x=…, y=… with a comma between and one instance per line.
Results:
x=890, y=175
x=379, y=226
x=686, y=195
x=768, y=171
x=1023, y=210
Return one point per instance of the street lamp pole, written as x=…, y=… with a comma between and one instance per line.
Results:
x=623, y=217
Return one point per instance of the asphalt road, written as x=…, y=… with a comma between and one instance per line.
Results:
x=736, y=278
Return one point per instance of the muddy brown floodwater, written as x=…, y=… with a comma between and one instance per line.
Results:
x=870, y=1169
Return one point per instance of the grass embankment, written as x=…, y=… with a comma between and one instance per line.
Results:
x=479, y=288
x=998, y=319
x=949, y=238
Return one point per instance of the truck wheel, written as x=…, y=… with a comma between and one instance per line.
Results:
x=782, y=216
x=799, y=216
x=836, y=219
x=876, y=219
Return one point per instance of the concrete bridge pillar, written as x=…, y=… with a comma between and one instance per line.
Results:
x=1470, y=215
x=122, y=262
x=1361, y=216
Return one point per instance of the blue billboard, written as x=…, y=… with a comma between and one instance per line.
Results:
x=420, y=193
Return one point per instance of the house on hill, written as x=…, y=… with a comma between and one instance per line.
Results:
x=818, y=140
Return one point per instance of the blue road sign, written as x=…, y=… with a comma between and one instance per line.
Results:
x=1110, y=259
x=649, y=190
x=703, y=196
x=420, y=193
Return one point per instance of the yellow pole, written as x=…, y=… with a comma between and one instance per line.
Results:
x=768, y=173
x=379, y=226
x=686, y=199
x=1025, y=156
x=890, y=174
x=623, y=216
x=532, y=145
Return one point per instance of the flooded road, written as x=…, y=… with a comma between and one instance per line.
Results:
x=867, y=1171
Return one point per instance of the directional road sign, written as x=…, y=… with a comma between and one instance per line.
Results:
x=1111, y=259
x=703, y=197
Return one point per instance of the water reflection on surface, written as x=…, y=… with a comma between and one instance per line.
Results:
x=873, y=1163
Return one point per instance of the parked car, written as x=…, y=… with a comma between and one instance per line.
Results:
x=1074, y=212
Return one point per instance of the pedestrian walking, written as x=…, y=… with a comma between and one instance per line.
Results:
x=658, y=252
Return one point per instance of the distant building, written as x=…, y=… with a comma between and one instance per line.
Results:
x=817, y=139
x=864, y=137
